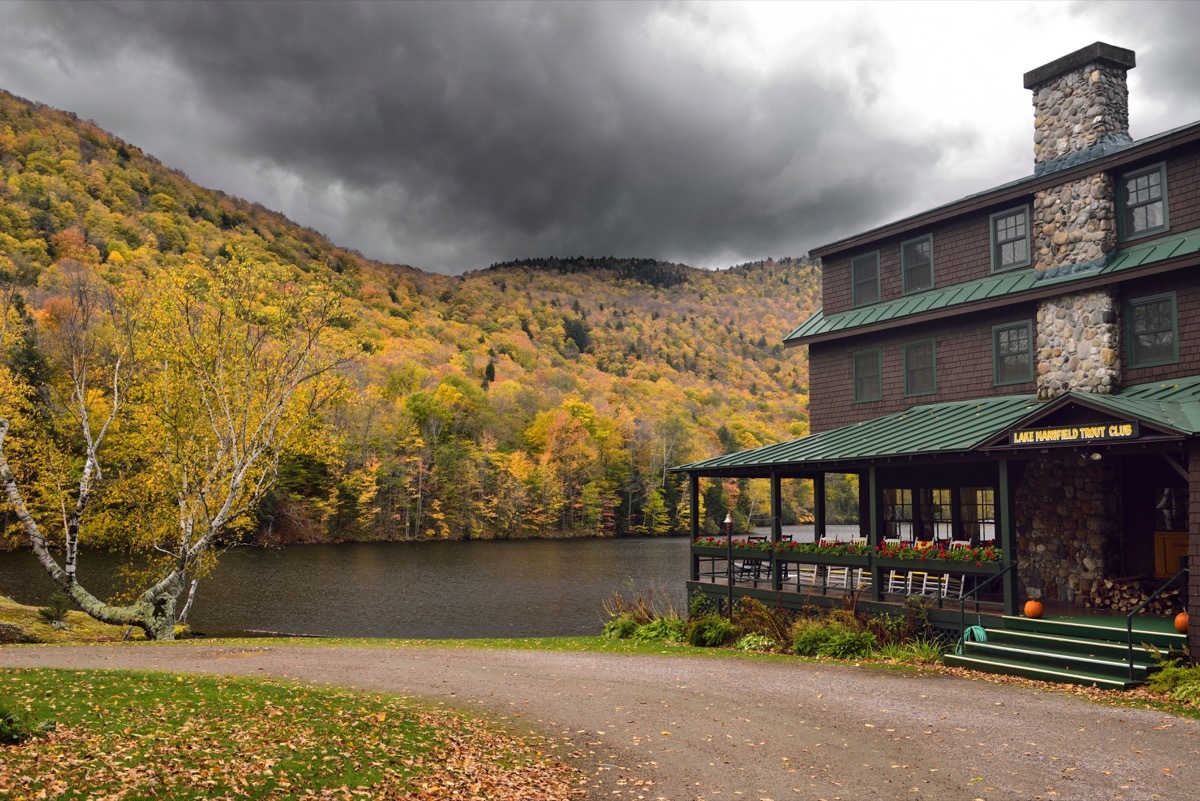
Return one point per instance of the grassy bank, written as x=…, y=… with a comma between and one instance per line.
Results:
x=120, y=734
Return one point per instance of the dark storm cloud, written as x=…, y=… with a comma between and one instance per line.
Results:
x=451, y=135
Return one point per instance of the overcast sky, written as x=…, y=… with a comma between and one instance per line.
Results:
x=452, y=135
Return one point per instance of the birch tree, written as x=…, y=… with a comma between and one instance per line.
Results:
x=199, y=378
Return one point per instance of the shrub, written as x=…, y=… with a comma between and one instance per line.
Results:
x=56, y=611
x=847, y=645
x=1176, y=678
x=621, y=627
x=754, y=617
x=809, y=635
x=756, y=642
x=668, y=629
x=702, y=605
x=16, y=726
x=710, y=632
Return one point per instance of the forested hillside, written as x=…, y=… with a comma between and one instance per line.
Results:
x=545, y=397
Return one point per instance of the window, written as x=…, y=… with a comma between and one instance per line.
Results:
x=1142, y=202
x=1010, y=239
x=1152, y=335
x=864, y=273
x=916, y=258
x=920, y=373
x=1012, y=353
x=868, y=381
x=898, y=514
x=978, y=510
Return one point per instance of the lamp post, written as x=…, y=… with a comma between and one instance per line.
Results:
x=729, y=562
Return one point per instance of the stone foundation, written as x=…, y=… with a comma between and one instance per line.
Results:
x=1078, y=344
x=1067, y=517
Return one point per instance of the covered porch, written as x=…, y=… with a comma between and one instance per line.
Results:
x=978, y=505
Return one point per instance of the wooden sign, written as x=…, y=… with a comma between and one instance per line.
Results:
x=1073, y=435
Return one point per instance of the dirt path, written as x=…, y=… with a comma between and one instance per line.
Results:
x=700, y=728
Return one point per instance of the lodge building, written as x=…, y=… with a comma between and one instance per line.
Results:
x=1020, y=367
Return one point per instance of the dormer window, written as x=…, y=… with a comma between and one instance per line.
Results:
x=916, y=262
x=1010, y=239
x=1142, y=198
x=864, y=274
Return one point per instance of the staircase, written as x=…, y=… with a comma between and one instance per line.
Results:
x=1075, y=650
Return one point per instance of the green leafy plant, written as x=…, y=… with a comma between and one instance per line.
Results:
x=847, y=645
x=827, y=547
x=621, y=627
x=736, y=542
x=710, y=632
x=702, y=605
x=756, y=642
x=667, y=629
x=16, y=726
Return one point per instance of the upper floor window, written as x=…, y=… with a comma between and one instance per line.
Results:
x=920, y=374
x=864, y=274
x=1142, y=202
x=916, y=263
x=1010, y=239
x=868, y=376
x=1151, y=323
x=1012, y=353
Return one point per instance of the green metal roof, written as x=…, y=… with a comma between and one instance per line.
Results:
x=957, y=427
x=993, y=286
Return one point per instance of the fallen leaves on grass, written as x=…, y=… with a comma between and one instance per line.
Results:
x=133, y=735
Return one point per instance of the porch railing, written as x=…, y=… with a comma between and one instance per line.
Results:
x=1142, y=605
x=974, y=592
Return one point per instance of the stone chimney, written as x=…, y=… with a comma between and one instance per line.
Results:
x=1081, y=113
x=1080, y=106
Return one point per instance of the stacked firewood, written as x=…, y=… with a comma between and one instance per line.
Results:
x=1124, y=596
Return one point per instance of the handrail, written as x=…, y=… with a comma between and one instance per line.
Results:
x=962, y=604
x=1141, y=606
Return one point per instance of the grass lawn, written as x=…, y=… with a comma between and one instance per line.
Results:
x=149, y=735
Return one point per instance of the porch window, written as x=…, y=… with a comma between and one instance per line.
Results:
x=864, y=274
x=1152, y=334
x=920, y=372
x=1142, y=197
x=978, y=509
x=1170, y=509
x=1012, y=353
x=916, y=259
x=868, y=378
x=941, y=513
x=898, y=514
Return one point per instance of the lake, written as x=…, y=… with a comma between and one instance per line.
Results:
x=517, y=588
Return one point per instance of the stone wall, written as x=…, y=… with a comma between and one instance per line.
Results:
x=1078, y=344
x=1067, y=516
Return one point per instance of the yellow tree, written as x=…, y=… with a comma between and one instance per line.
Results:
x=198, y=378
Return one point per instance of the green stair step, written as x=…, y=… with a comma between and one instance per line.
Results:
x=1072, y=645
x=1057, y=659
x=1012, y=667
x=1102, y=630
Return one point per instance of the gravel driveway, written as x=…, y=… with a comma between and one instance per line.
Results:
x=683, y=728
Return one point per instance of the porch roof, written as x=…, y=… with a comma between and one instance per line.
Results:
x=956, y=427
x=1008, y=286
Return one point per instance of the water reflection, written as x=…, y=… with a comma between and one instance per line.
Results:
x=436, y=589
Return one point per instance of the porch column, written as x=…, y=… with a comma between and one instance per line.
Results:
x=1193, y=591
x=694, y=499
x=1006, y=522
x=776, y=528
x=868, y=483
x=819, y=508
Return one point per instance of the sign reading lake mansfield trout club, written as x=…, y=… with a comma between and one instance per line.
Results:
x=1068, y=435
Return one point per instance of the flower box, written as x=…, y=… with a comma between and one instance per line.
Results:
x=940, y=566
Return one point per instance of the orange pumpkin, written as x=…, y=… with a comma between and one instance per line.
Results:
x=1033, y=608
x=1181, y=622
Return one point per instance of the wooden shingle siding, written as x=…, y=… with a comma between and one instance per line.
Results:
x=964, y=368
